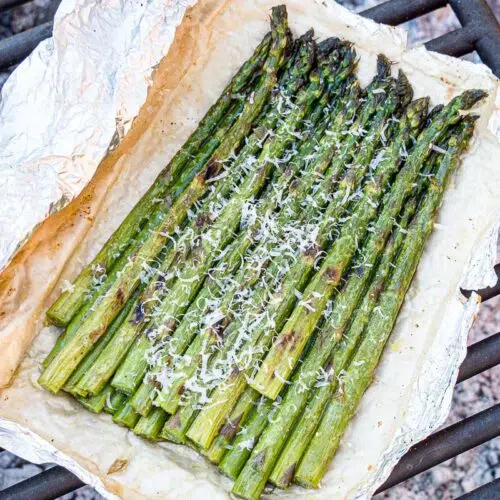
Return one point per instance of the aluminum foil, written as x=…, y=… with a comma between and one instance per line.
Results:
x=53, y=133
x=84, y=88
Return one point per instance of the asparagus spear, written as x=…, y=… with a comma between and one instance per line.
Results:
x=115, y=402
x=96, y=404
x=131, y=372
x=289, y=344
x=208, y=422
x=297, y=442
x=69, y=302
x=257, y=470
x=222, y=442
x=240, y=450
x=101, y=344
x=150, y=427
x=360, y=372
x=126, y=416
x=170, y=395
x=173, y=429
x=63, y=364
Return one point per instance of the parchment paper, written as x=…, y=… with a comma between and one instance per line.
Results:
x=411, y=394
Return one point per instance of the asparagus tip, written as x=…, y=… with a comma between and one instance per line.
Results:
x=404, y=90
x=308, y=36
x=470, y=97
x=329, y=45
x=417, y=111
x=279, y=16
x=383, y=67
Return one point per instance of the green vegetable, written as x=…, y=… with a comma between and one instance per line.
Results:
x=150, y=427
x=362, y=367
x=62, y=365
x=69, y=302
x=259, y=467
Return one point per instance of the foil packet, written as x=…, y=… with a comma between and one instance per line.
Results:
x=94, y=114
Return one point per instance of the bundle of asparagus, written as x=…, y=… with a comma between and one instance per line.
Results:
x=243, y=304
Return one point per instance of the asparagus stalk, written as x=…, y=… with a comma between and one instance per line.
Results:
x=240, y=450
x=210, y=419
x=240, y=412
x=126, y=416
x=69, y=302
x=360, y=372
x=173, y=428
x=96, y=404
x=63, y=364
x=115, y=402
x=131, y=372
x=170, y=396
x=101, y=344
x=289, y=344
x=296, y=444
x=150, y=427
x=257, y=470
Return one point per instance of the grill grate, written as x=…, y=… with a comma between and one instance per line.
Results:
x=481, y=32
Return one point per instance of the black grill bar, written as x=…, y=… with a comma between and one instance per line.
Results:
x=489, y=491
x=456, y=43
x=9, y=4
x=48, y=485
x=480, y=19
x=480, y=30
x=446, y=444
x=487, y=293
x=16, y=48
x=396, y=12
x=481, y=356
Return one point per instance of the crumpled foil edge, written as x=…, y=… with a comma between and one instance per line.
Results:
x=100, y=52
x=31, y=447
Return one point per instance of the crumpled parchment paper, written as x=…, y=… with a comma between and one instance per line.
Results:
x=411, y=394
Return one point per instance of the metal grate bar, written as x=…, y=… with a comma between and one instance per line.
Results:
x=487, y=293
x=477, y=15
x=396, y=12
x=456, y=43
x=10, y=4
x=486, y=492
x=16, y=48
x=48, y=485
x=480, y=30
x=446, y=444
x=481, y=356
